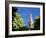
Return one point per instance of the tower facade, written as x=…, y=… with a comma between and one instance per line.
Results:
x=31, y=25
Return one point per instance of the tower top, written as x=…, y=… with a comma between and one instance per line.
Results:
x=31, y=14
x=30, y=17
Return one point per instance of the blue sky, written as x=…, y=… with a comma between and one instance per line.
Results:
x=26, y=11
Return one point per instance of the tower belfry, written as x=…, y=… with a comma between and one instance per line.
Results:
x=31, y=25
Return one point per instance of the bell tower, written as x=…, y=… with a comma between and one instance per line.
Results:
x=31, y=25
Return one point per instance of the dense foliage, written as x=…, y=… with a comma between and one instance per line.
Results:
x=17, y=22
x=37, y=23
